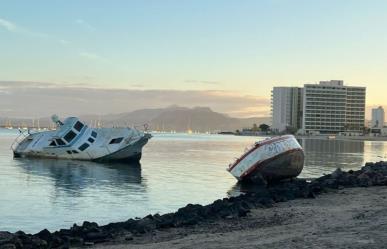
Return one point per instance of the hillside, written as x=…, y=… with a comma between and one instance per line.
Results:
x=173, y=118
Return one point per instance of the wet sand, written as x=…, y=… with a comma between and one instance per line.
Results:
x=347, y=218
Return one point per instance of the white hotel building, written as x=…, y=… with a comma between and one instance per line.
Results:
x=286, y=108
x=329, y=107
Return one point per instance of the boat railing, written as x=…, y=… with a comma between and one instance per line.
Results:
x=19, y=139
x=142, y=127
x=247, y=150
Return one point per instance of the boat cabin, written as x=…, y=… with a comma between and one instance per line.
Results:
x=68, y=132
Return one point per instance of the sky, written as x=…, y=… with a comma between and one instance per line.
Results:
x=217, y=51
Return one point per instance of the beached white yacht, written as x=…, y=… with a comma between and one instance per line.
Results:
x=73, y=139
x=272, y=159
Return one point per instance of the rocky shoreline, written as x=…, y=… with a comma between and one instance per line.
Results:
x=233, y=208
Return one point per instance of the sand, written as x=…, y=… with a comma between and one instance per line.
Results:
x=348, y=218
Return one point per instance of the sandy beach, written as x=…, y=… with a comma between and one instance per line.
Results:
x=347, y=218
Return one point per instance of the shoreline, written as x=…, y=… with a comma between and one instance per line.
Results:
x=346, y=138
x=194, y=218
x=346, y=218
x=321, y=137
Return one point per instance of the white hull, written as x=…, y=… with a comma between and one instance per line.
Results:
x=74, y=140
x=273, y=159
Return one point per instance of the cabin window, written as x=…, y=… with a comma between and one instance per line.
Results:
x=52, y=143
x=94, y=134
x=70, y=136
x=91, y=140
x=59, y=141
x=116, y=140
x=83, y=146
x=69, y=152
x=74, y=152
x=78, y=126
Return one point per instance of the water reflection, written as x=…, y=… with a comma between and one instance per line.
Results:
x=72, y=177
x=323, y=156
x=332, y=146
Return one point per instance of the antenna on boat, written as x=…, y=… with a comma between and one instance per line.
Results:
x=56, y=120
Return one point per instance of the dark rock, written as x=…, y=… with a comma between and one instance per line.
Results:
x=364, y=180
x=88, y=227
x=44, y=235
x=129, y=237
x=56, y=241
x=7, y=239
x=144, y=225
x=73, y=241
x=258, y=180
x=337, y=173
x=88, y=244
x=97, y=237
x=8, y=246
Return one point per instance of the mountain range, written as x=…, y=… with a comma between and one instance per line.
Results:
x=173, y=118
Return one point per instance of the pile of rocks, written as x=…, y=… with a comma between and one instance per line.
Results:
x=372, y=174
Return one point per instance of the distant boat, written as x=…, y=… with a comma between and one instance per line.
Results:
x=271, y=159
x=72, y=139
x=9, y=125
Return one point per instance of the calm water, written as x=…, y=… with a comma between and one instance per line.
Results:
x=176, y=169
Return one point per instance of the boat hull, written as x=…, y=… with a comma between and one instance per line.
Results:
x=130, y=153
x=273, y=159
x=107, y=145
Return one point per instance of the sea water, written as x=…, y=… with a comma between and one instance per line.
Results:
x=176, y=169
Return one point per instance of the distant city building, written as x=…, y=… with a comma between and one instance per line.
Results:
x=286, y=108
x=377, y=117
x=328, y=107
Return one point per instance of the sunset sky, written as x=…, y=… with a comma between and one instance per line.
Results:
x=222, y=51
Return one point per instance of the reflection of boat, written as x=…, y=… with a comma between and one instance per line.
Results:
x=273, y=159
x=74, y=176
x=74, y=140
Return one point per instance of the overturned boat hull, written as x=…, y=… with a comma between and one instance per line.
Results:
x=272, y=159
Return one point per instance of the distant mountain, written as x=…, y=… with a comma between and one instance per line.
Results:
x=177, y=118
x=173, y=118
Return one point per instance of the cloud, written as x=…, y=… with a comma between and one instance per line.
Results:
x=91, y=56
x=39, y=100
x=137, y=85
x=85, y=25
x=12, y=27
x=64, y=42
x=8, y=25
x=207, y=82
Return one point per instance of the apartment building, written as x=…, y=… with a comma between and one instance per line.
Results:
x=328, y=107
x=331, y=107
x=286, y=108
